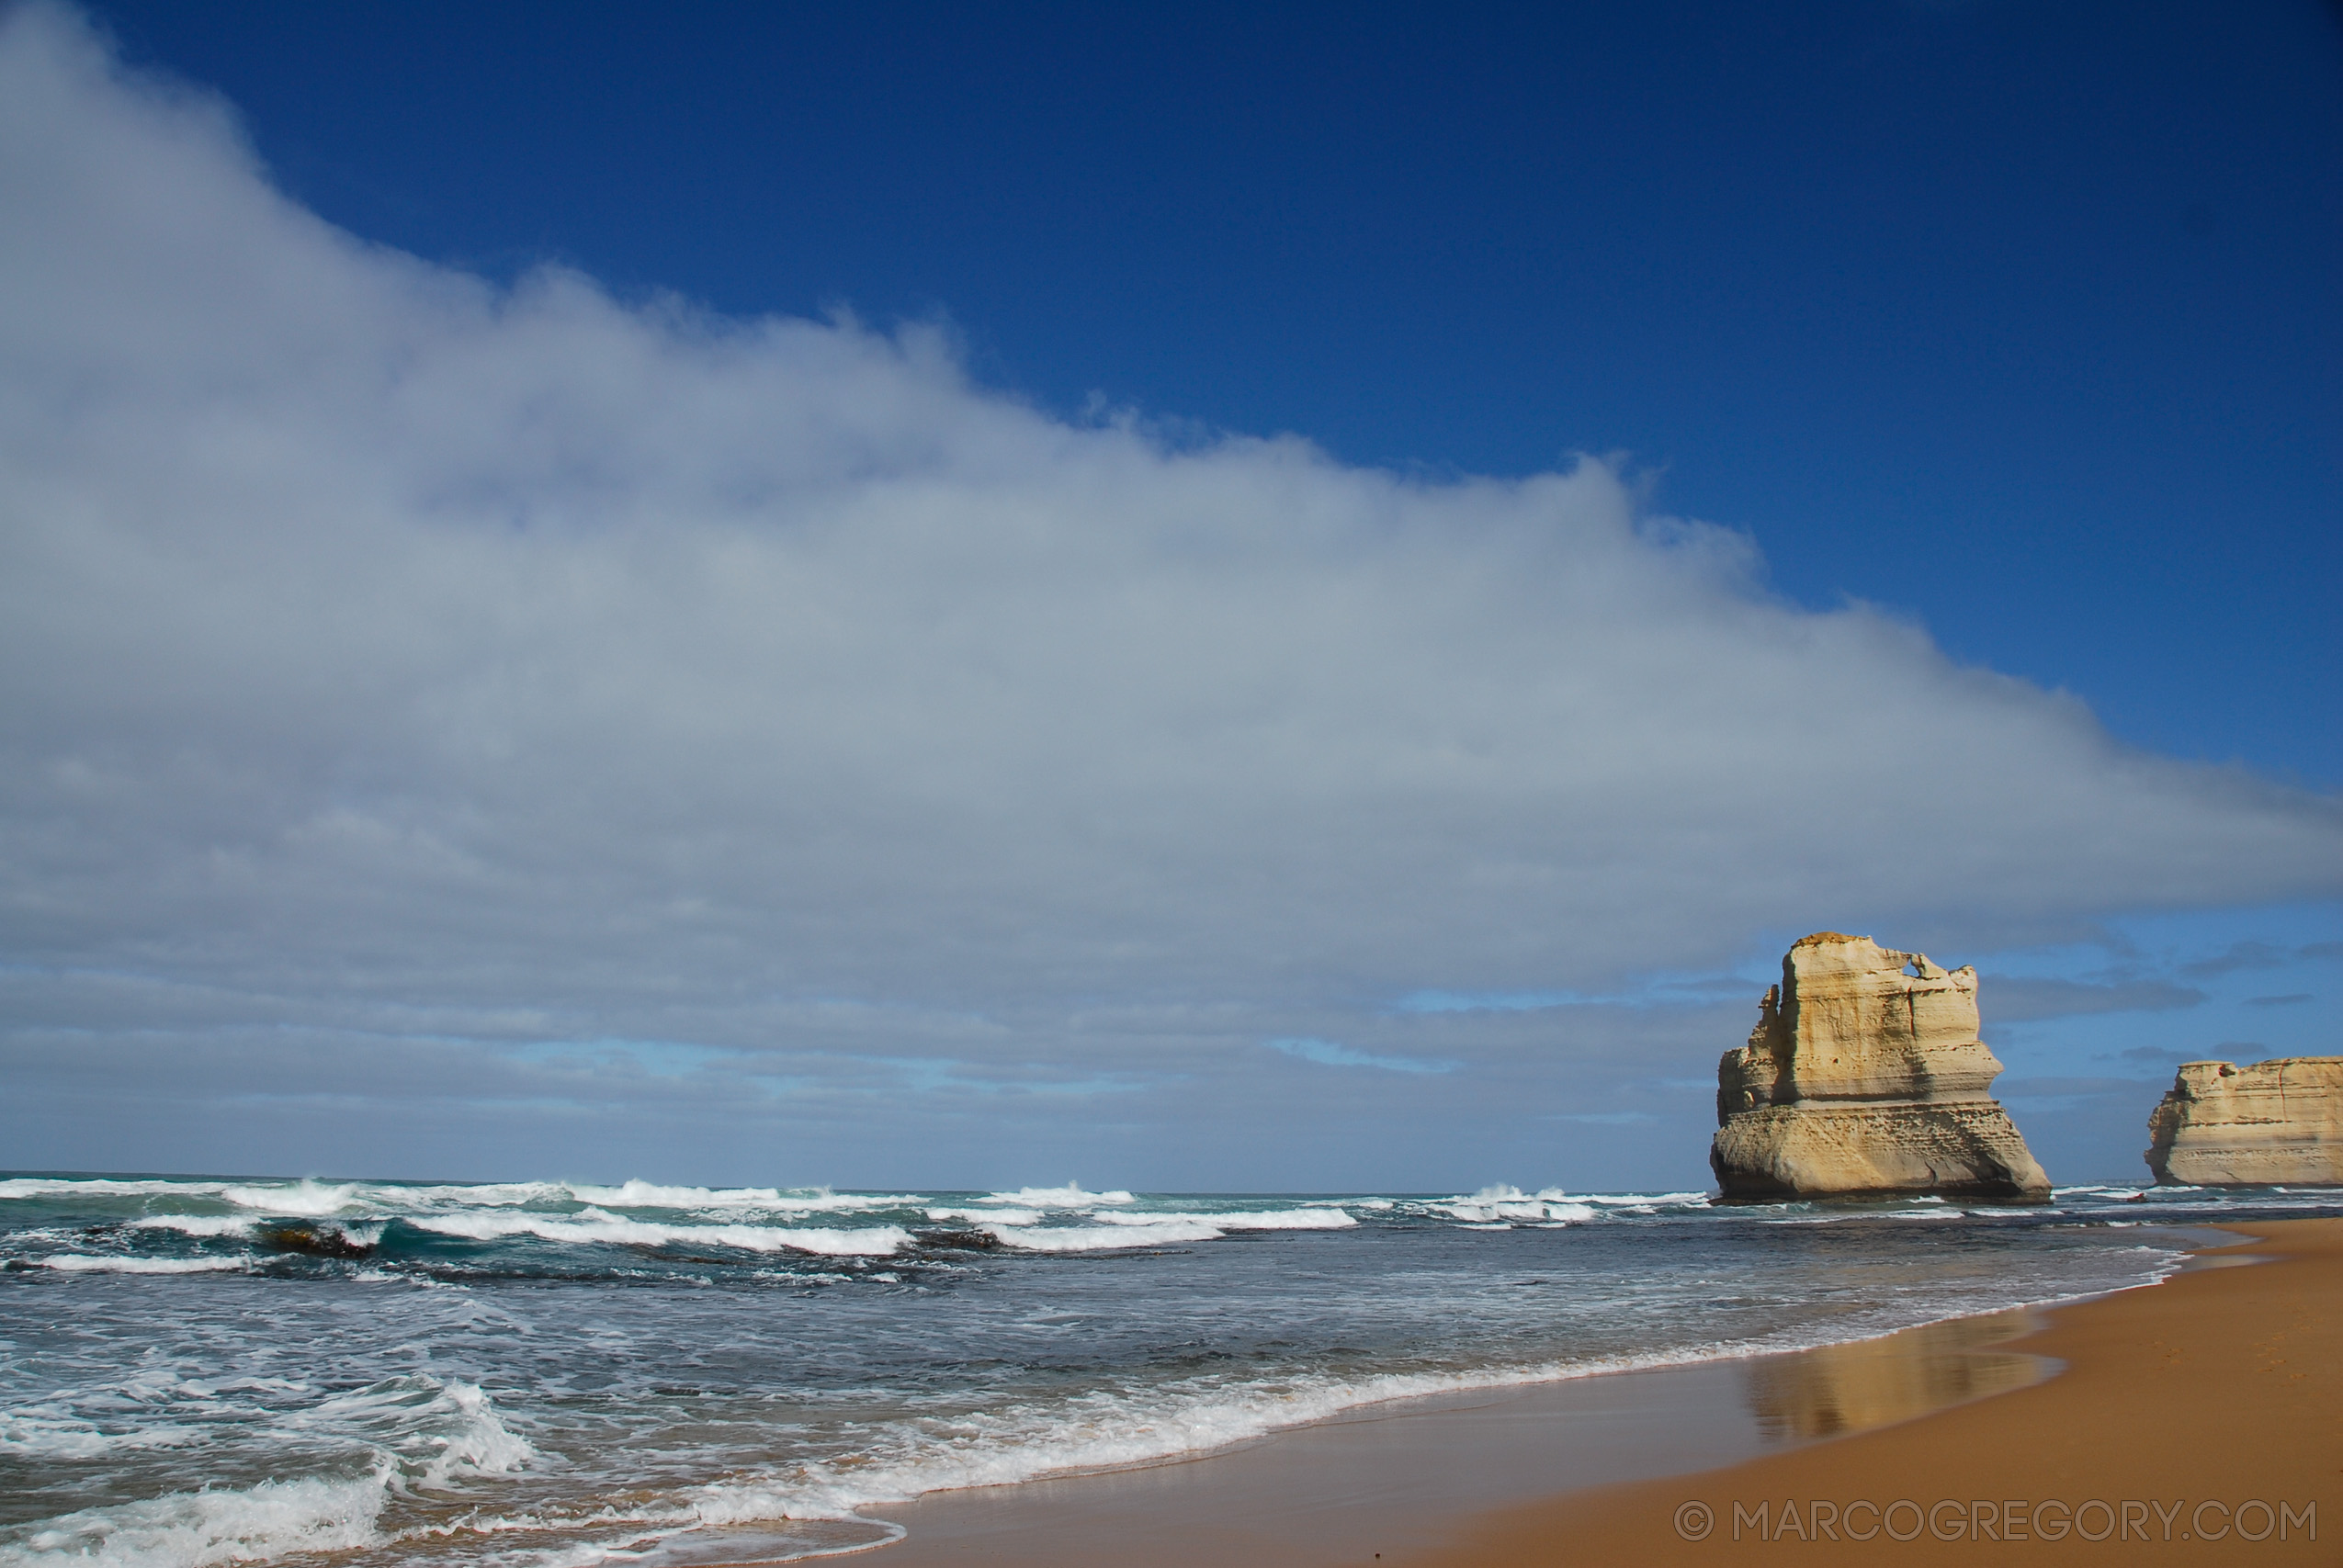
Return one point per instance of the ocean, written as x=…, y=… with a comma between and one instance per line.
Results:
x=551, y=1373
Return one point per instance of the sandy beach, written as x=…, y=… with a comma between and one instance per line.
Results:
x=2194, y=1421
x=2202, y=1418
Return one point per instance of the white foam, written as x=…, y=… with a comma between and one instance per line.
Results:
x=866, y=1241
x=471, y=1524
x=99, y=1186
x=1491, y=1206
x=429, y=1433
x=1102, y=1238
x=480, y=1443
x=1849, y=1219
x=1643, y=1200
x=1070, y=1196
x=705, y=1544
x=198, y=1224
x=843, y=1202
x=81, y=1263
x=636, y=1194
x=633, y=1194
x=486, y=1194
x=304, y=1198
x=1243, y=1220
x=46, y=1432
x=195, y=1530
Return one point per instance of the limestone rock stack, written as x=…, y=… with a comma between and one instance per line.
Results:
x=2279, y=1122
x=1865, y=1074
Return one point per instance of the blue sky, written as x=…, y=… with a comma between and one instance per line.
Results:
x=864, y=752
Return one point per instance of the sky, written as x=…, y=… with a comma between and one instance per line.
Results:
x=955, y=596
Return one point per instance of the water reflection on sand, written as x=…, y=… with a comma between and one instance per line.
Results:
x=1876, y=1383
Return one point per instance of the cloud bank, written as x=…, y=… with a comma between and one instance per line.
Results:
x=399, y=667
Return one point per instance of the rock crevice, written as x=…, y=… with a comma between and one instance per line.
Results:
x=1865, y=1074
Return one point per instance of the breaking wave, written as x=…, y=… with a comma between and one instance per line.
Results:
x=401, y=1437
x=593, y=1225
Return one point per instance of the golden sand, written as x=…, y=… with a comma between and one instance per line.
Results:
x=2191, y=1417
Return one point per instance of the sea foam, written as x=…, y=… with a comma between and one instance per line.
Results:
x=83, y=1263
x=308, y=1200
x=423, y=1435
x=1101, y=1238
x=1502, y=1204
x=1070, y=1196
x=193, y=1529
x=198, y=1225
x=867, y=1241
x=1242, y=1219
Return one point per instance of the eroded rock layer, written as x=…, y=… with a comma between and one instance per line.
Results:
x=1865, y=1073
x=2277, y=1122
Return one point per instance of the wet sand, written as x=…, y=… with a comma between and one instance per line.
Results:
x=2195, y=1414
x=2221, y=1386
x=1399, y=1478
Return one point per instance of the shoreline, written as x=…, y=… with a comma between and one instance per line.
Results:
x=2144, y=1395
x=2201, y=1419
x=1408, y=1478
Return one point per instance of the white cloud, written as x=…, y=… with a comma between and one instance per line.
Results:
x=391, y=656
x=1331, y=1053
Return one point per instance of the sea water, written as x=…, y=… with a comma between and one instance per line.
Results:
x=551, y=1373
